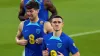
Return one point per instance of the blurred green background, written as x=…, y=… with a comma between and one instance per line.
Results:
x=79, y=16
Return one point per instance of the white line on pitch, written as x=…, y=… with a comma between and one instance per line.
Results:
x=84, y=33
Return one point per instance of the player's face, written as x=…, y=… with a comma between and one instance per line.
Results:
x=57, y=24
x=32, y=13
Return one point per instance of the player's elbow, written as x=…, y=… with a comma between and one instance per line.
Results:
x=76, y=54
x=19, y=18
x=48, y=27
x=16, y=39
x=55, y=12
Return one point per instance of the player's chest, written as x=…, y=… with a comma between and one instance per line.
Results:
x=55, y=44
x=28, y=30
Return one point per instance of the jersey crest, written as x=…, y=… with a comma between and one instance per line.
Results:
x=59, y=45
x=37, y=31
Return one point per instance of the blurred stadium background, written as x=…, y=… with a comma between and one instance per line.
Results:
x=79, y=16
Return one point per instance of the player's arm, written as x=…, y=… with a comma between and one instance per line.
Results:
x=72, y=48
x=47, y=27
x=76, y=54
x=45, y=52
x=19, y=36
x=49, y=6
x=21, y=14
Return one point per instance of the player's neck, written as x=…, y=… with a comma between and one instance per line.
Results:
x=57, y=33
x=35, y=20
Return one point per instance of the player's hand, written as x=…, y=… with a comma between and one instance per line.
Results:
x=45, y=52
x=60, y=54
x=22, y=42
x=39, y=40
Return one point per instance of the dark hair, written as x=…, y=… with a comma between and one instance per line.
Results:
x=32, y=4
x=56, y=16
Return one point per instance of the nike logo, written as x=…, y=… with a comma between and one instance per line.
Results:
x=26, y=30
x=48, y=44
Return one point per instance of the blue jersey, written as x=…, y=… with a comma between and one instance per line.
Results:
x=43, y=13
x=31, y=31
x=63, y=44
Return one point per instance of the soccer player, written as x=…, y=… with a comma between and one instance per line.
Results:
x=31, y=29
x=45, y=6
x=58, y=43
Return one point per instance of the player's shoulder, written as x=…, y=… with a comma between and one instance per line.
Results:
x=26, y=21
x=21, y=23
x=64, y=35
x=47, y=36
x=41, y=21
x=67, y=37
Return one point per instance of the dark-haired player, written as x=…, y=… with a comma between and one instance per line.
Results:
x=44, y=7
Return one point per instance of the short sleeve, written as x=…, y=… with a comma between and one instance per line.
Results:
x=71, y=45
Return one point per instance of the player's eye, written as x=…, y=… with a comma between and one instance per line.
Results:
x=59, y=22
x=31, y=11
x=54, y=22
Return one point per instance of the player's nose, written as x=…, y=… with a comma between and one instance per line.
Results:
x=57, y=24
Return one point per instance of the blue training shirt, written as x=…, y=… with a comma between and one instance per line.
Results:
x=63, y=44
x=43, y=13
x=31, y=31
